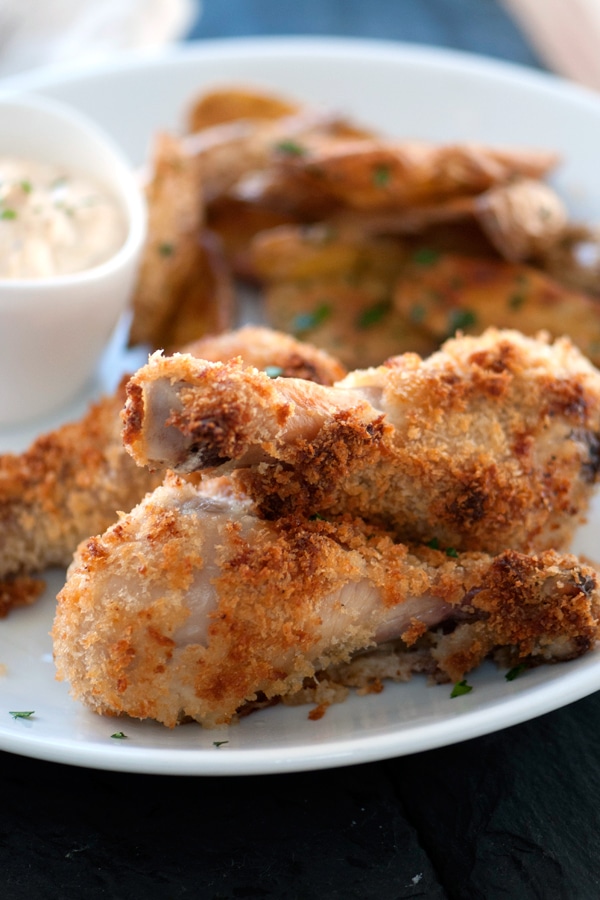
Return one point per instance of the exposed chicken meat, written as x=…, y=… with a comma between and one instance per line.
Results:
x=491, y=443
x=191, y=607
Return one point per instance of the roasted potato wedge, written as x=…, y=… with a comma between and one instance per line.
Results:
x=444, y=293
x=181, y=287
x=336, y=292
x=385, y=175
x=206, y=301
x=575, y=259
x=261, y=171
x=523, y=219
x=309, y=252
x=356, y=322
x=228, y=104
x=237, y=223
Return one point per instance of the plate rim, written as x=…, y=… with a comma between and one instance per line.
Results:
x=499, y=714
x=309, y=45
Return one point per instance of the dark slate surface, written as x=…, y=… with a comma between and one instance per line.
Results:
x=513, y=816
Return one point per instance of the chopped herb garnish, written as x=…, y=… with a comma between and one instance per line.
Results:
x=273, y=371
x=319, y=234
x=516, y=301
x=26, y=187
x=425, y=256
x=460, y=688
x=290, y=148
x=68, y=210
x=373, y=314
x=166, y=249
x=515, y=672
x=8, y=214
x=461, y=318
x=119, y=735
x=21, y=714
x=307, y=321
x=219, y=743
x=381, y=176
x=316, y=517
x=417, y=313
x=434, y=544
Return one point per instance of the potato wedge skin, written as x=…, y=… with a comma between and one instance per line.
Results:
x=445, y=293
x=335, y=291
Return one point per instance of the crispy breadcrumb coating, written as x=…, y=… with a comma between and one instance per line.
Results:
x=69, y=484
x=272, y=351
x=491, y=443
x=192, y=607
x=72, y=482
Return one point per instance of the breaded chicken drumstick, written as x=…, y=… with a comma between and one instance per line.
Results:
x=490, y=443
x=71, y=482
x=192, y=607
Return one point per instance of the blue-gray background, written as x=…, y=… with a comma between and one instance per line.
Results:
x=481, y=26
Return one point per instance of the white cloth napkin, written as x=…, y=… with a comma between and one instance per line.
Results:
x=565, y=33
x=42, y=32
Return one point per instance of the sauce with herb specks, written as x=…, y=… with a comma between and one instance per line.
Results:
x=54, y=222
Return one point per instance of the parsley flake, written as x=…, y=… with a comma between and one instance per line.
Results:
x=381, y=176
x=417, y=313
x=461, y=318
x=22, y=714
x=219, y=743
x=434, y=544
x=26, y=187
x=373, y=314
x=8, y=214
x=451, y=551
x=119, y=736
x=308, y=321
x=460, y=688
x=166, y=249
x=426, y=256
x=273, y=371
x=515, y=672
x=290, y=148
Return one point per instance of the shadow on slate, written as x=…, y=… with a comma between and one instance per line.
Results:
x=334, y=835
x=515, y=814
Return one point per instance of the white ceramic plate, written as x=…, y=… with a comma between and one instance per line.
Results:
x=399, y=90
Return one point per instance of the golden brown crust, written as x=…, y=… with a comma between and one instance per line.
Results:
x=270, y=350
x=70, y=483
x=22, y=590
x=537, y=609
x=491, y=443
x=287, y=599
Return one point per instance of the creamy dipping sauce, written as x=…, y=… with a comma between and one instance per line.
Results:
x=53, y=221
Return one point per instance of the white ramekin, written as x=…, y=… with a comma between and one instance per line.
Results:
x=53, y=330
